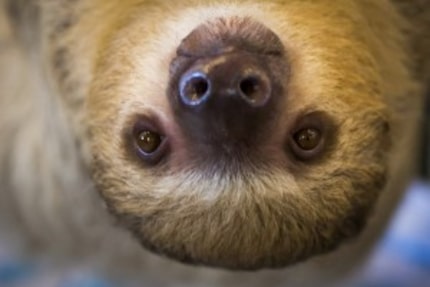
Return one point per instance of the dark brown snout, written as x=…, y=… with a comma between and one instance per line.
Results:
x=234, y=79
x=227, y=83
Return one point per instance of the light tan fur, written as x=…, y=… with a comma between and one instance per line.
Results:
x=81, y=70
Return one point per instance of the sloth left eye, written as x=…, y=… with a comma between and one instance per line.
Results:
x=148, y=141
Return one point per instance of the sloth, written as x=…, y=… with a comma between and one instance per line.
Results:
x=226, y=135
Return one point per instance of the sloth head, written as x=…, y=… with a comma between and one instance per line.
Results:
x=242, y=136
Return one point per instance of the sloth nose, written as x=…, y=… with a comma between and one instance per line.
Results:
x=233, y=79
x=227, y=83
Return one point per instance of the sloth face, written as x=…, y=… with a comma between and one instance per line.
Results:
x=244, y=135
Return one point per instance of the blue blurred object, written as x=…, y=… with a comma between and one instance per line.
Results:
x=12, y=272
x=86, y=281
x=402, y=258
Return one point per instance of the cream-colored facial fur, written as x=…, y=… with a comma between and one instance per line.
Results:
x=93, y=66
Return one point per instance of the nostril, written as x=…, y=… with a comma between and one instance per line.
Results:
x=250, y=87
x=194, y=88
x=255, y=89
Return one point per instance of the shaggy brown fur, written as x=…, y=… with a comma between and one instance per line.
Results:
x=77, y=74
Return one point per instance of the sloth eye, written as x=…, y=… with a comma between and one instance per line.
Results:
x=307, y=139
x=312, y=135
x=148, y=141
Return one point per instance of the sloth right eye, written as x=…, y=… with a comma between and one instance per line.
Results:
x=311, y=135
x=308, y=138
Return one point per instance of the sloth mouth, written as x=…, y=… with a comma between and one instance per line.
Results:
x=242, y=223
x=241, y=239
x=261, y=215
